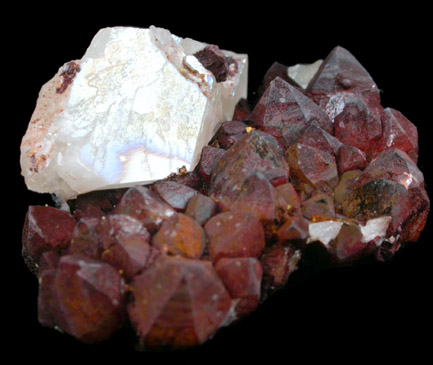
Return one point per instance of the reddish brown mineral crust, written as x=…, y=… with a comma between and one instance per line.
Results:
x=67, y=75
x=212, y=58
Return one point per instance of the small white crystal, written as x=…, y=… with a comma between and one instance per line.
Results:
x=375, y=228
x=139, y=107
x=303, y=73
x=324, y=231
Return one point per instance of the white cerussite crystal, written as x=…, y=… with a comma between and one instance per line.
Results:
x=137, y=107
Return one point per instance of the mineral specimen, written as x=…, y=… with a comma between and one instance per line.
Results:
x=318, y=175
x=137, y=107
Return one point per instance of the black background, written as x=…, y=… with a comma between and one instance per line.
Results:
x=380, y=311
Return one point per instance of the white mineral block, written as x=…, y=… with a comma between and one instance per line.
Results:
x=375, y=228
x=324, y=231
x=303, y=73
x=137, y=107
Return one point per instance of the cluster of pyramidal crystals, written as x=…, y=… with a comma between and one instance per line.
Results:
x=321, y=166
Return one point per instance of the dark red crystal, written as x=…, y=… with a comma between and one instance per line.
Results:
x=254, y=152
x=256, y=196
x=234, y=234
x=284, y=112
x=45, y=229
x=278, y=262
x=146, y=206
x=177, y=303
x=126, y=246
x=174, y=193
x=341, y=77
x=83, y=297
x=210, y=156
x=242, y=278
x=230, y=132
x=242, y=111
x=312, y=166
x=180, y=235
x=86, y=238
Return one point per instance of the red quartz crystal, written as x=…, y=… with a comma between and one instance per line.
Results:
x=339, y=78
x=145, y=205
x=242, y=111
x=358, y=126
x=283, y=112
x=254, y=152
x=174, y=193
x=86, y=238
x=234, y=234
x=398, y=132
x=294, y=231
x=318, y=206
x=291, y=197
x=210, y=156
x=178, y=303
x=348, y=246
x=230, y=132
x=278, y=262
x=312, y=166
x=350, y=158
x=256, y=196
x=180, y=235
x=126, y=246
x=201, y=208
x=45, y=229
x=83, y=297
x=276, y=70
x=242, y=278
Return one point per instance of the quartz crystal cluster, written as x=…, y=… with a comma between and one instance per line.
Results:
x=316, y=166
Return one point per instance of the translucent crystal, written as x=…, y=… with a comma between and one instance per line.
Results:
x=137, y=107
x=303, y=73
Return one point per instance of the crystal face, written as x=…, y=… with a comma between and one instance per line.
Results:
x=137, y=107
x=317, y=176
